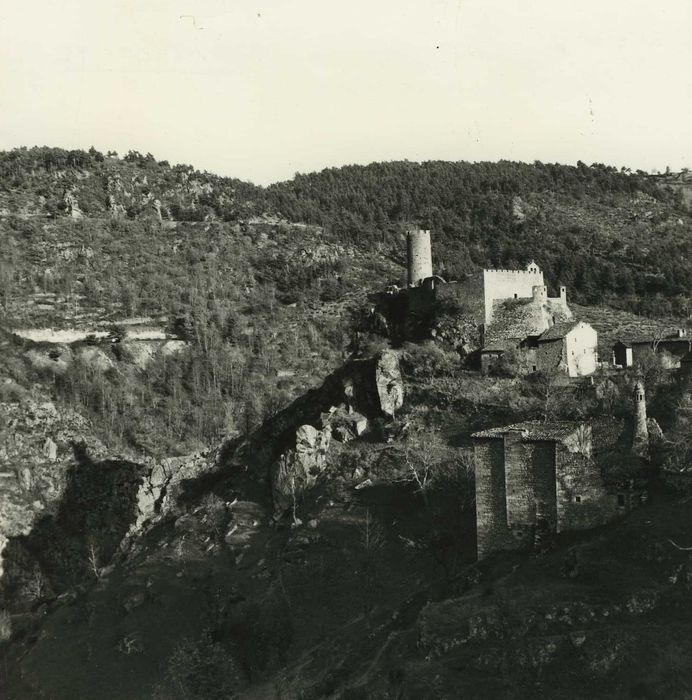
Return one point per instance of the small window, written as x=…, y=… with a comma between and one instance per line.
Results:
x=577, y=499
x=515, y=296
x=535, y=368
x=621, y=500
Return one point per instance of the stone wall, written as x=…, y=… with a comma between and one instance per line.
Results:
x=518, y=480
x=508, y=284
x=492, y=531
x=466, y=295
x=549, y=355
x=542, y=455
x=581, y=350
x=583, y=501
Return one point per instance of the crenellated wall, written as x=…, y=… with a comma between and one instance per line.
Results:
x=509, y=284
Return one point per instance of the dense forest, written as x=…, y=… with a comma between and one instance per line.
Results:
x=612, y=236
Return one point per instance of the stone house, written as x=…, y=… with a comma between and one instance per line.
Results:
x=628, y=351
x=537, y=477
x=571, y=347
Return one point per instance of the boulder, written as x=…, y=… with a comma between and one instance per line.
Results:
x=346, y=426
x=50, y=450
x=298, y=468
x=162, y=483
x=25, y=478
x=389, y=383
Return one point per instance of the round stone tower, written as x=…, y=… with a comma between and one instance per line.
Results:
x=539, y=293
x=419, y=256
x=641, y=433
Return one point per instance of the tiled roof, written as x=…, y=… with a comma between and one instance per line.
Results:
x=557, y=331
x=534, y=430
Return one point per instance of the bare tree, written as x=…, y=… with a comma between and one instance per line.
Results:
x=422, y=456
x=93, y=559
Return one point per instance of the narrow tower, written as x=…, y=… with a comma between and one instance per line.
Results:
x=419, y=257
x=640, y=443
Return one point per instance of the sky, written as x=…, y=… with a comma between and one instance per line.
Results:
x=263, y=89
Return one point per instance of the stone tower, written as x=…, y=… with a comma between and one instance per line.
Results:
x=419, y=257
x=539, y=293
x=640, y=442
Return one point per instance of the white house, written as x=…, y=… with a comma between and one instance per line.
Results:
x=571, y=347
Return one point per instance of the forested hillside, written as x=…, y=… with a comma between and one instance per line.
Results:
x=611, y=236
x=264, y=283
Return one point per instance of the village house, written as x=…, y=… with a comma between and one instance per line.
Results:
x=568, y=347
x=571, y=347
x=672, y=347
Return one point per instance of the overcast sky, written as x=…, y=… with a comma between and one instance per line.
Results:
x=263, y=89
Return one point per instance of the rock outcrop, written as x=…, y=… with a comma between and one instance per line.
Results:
x=290, y=447
x=390, y=386
x=37, y=443
x=163, y=481
x=300, y=466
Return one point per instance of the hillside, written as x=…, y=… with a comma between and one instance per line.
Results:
x=267, y=285
x=610, y=236
x=367, y=587
x=220, y=480
x=74, y=222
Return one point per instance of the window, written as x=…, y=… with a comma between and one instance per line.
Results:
x=577, y=499
x=535, y=368
x=515, y=296
x=621, y=500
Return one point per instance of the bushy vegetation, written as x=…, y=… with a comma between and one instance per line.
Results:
x=200, y=669
x=219, y=385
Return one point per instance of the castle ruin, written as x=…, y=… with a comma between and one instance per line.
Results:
x=537, y=477
x=419, y=254
x=492, y=311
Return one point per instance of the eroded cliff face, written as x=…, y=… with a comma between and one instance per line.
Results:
x=37, y=443
x=68, y=507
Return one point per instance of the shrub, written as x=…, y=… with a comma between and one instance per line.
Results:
x=428, y=360
x=512, y=363
x=200, y=670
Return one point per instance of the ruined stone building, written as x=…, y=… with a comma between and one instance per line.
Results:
x=537, y=477
x=628, y=351
x=490, y=311
x=488, y=294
